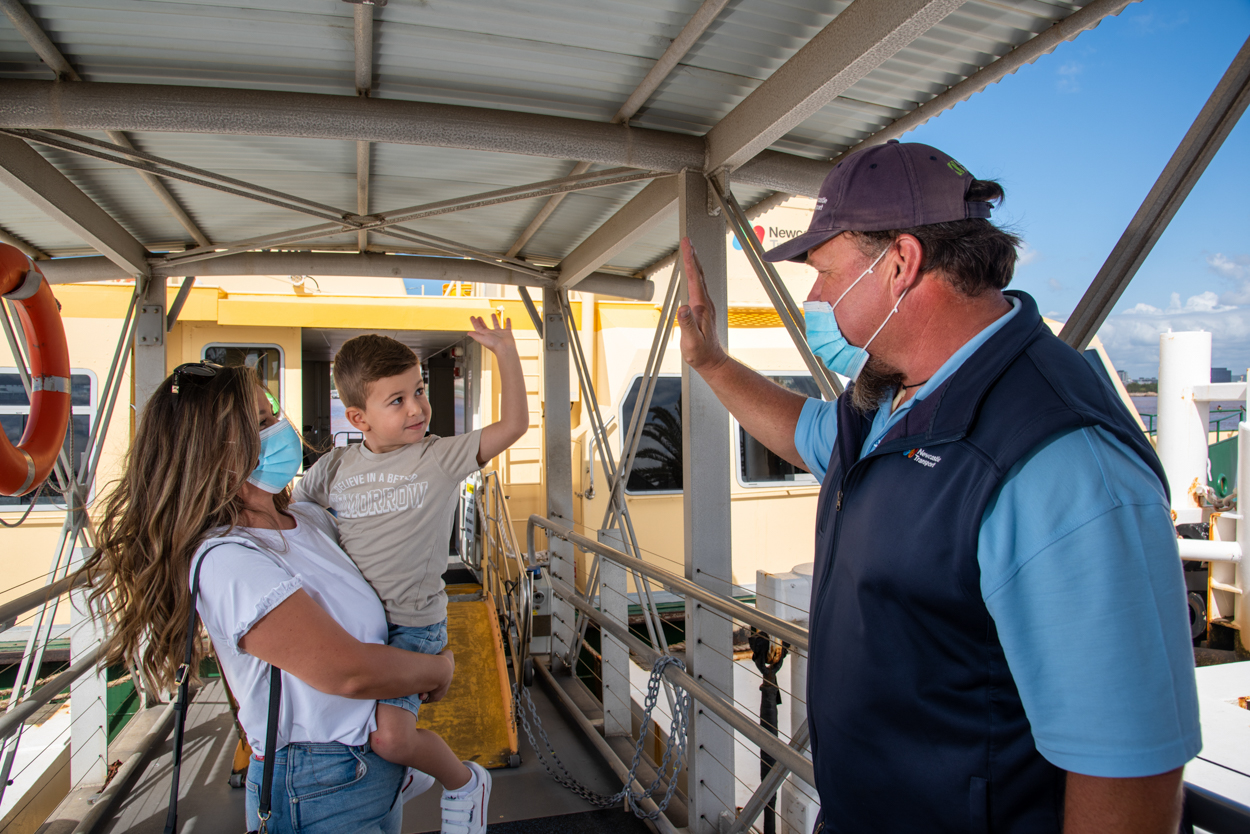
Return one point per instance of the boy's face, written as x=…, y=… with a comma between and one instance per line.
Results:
x=396, y=412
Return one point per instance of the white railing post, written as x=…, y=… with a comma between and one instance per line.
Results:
x=88, y=703
x=614, y=603
x=787, y=596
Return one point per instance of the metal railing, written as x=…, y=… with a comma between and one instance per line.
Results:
x=506, y=575
x=789, y=758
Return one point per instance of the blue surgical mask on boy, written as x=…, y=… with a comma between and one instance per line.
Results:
x=825, y=338
x=280, y=457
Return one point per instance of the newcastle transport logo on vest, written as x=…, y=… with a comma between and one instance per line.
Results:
x=923, y=458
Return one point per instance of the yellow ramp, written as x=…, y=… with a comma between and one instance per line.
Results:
x=476, y=718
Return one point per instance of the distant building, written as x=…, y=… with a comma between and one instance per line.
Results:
x=1123, y=376
x=1221, y=375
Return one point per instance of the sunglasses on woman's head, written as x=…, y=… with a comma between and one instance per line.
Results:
x=193, y=372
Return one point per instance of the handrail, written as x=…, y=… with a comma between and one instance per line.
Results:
x=1212, y=812
x=16, y=607
x=14, y=718
x=795, y=635
x=783, y=753
x=500, y=547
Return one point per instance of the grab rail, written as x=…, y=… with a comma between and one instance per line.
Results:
x=796, y=636
x=12, y=720
x=16, y=607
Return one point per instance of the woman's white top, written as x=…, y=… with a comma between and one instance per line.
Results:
x=249, y=573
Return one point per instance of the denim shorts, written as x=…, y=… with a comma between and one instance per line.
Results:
x=430, y=639
x=328, y=788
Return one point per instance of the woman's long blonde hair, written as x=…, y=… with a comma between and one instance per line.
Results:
x=192, y=453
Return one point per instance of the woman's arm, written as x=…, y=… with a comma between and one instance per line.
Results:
x=299, y=637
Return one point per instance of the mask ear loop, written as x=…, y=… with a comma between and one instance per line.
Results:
x=887, y=318
x=867, y=271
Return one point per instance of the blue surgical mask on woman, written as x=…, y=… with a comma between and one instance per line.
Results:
x=825, y=338
x=280, y=457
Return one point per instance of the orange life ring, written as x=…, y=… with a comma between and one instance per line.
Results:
x=24, y=466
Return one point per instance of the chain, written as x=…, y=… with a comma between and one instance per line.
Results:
x=674, y=751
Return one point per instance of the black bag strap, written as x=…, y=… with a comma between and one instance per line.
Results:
x=183, y=679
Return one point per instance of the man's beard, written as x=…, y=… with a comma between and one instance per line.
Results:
x=877, y=381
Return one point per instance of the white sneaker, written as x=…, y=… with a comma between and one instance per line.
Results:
x=415, y=784
x=464, y=812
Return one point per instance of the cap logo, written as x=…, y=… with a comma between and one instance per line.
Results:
x=820, y=202
x=956, y=167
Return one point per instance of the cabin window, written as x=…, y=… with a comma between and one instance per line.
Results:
x=657, y=466
x=757, y=466
x=265, y=359
x=14, y=412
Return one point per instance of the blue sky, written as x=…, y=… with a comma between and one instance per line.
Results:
x=1078, y=139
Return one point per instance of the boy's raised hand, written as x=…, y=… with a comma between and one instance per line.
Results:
x=495, y=337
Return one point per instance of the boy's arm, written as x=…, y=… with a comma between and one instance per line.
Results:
x=514, y=412
x=312, y=487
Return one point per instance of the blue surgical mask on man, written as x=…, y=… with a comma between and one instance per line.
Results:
x=280, y=457
x=825, y=338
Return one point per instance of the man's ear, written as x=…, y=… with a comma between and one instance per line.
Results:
x=908, y=255
x=356, y=417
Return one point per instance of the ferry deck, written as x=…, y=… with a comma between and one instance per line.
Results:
x=266, y=181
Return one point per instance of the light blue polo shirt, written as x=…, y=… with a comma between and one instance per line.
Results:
x=1080, y=571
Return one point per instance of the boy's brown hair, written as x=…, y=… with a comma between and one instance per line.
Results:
x=365, y=359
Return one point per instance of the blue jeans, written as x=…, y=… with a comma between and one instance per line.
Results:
x=430, y=639
x=326, y=789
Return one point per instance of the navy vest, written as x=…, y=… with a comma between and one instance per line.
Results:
x=916, y=722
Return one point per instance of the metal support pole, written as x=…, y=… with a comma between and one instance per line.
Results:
x=558, y=454
x=149, y=362
x=180, y=300
x=1208, y=132
x=706, y=457
x=88, y=746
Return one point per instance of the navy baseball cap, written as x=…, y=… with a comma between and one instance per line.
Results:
x=891, y=186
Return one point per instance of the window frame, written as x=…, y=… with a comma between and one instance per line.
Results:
x=282, y=366
x=91, y=411
x=808, y=479
x=624, y=426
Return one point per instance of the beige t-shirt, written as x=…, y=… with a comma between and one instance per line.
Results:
x=395, y=512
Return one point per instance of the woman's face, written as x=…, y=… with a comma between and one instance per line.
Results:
x=264, y=411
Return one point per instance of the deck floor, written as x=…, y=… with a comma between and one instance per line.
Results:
x=208, y=803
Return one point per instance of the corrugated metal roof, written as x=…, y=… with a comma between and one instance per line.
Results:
x=551, y=57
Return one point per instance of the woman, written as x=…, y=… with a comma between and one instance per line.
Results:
x=208, y=479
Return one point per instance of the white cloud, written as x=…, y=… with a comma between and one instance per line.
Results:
x=1055, y=285
x=1027, y=255
x=1235, y=270
x=1069, y=77
x=1132, y=336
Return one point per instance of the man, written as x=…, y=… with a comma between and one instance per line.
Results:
x=999, y=634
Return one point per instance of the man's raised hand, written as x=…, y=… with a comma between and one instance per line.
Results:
x=700, y=346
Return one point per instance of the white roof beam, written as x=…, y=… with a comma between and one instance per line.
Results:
x=860, y=39
x=24, y=171
x=369, y=265
x=635, y=218
x=234, y=112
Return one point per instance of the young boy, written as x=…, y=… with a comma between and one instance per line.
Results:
x=394, y=496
